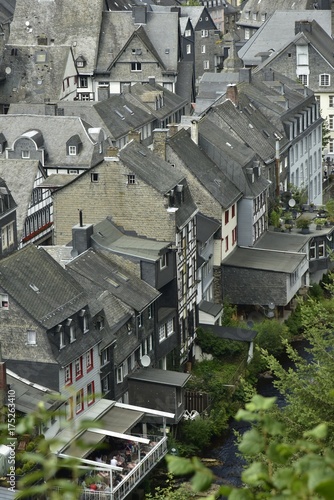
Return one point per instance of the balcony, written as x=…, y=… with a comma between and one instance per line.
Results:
x=117, y=482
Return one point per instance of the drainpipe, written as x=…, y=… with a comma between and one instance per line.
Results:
x=277, y=162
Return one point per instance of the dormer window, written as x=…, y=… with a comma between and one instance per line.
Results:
x=80, y=62
x=25, y=154
x=40, y=57
x=4, y=301
x=73, y=145
x=31, y=337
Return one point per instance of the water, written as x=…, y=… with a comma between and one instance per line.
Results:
x=227, y=453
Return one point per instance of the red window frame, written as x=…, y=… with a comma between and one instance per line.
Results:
x=78, y=372
x=89, y=360
x=68, y=375
x=227, y=213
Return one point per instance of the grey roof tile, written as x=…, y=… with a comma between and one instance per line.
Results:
x=40, y=286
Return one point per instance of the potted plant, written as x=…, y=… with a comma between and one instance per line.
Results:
x=275, y=219
x=320, y=223
x=304, y=224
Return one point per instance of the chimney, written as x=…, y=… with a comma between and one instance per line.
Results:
x=232, y=93
x=151, y=81
x=303, y=26
x=134, y=135
x=176, y=9
x=126, y=89
x=194, y=131
x=250, y=174
x=112, y=152
x=139, y=13
x=81, y=234
x=173, y=128
x=245, y=75
x=159, y=142
x=269, y=75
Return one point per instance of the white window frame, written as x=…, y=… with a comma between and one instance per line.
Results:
x=187, y=33
x=163, y=262
x=61, y=338
x=90, y=393
x=136, y=67
x=247, y=33
x=73, y=336
x=131, y=179
x=206, y=64
x=204, y=33
x=72, y=150
x=104, y=357
x=105, y=384
x=331, y=122
x=79, y=401
x=119, y=374
x=303, y=80
x=25, y=154
x=331, y=101
x=203, y=49
x=324, y=80
x=188, y=48
x=4, y=304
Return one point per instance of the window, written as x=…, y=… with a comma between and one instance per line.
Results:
x=25, y=154
x=105, y=385
x=100, y=323
x=85, y=325
x=90, y=393
x=263, y=18
x=331, y=122
x=79, y=401
x=73, y=336
x=89, y=360
x=321, y=249
x=166, y=330
x=104, y=356
x=303, y=79
x=135, y=66
x=7, y=236
x=234, y=236
x=4, y=301
x=78, y=368
x=247, y=33
x=324, y=80
x=247, y=13
x=204, y=33
x=94, y=177
x=233, y=211
x=227, y=213
x=188, y=48
x=69, y=409
x=31, y=337
x=83, y=82
x=206, y=64
x=163, y=261
x=203, y=49
x=72, y=150
x=226, y=244
x=187, y=33
x=131, y=179
x=331, y=101
x=254, y=16
x=140, y=320
x=68, y=374
x=150, y=311
x=331, y=145
x=119, y=374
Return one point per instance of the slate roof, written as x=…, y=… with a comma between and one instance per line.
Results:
x=206, y=227
x=7, y=8
x=278, y=30
x=268, y=7
x=211, y=87
x=264, y=260
x=210, y=307
x=36, y=372
x=207, y=172
x=20, y=176
x=61, y=21
x=87, y=342
x=280, y=241
x=56, y=131
x=107, y=235
x=118, y=27
x=134, y=292
x=184, y=83
x=171, y=101
x=9, y=203
x=40, y=286
x=163, y=377
x=34, y=82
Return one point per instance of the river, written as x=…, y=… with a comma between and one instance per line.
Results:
x=227, y=453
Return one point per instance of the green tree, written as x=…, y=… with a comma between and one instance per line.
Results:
x=326, y=135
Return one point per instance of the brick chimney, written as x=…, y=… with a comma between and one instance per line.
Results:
x=134, y=135
x=81, y=234
x=232, y=93
x=159, y=142
x=173, y=129
x=112, y=152
x=139, y=13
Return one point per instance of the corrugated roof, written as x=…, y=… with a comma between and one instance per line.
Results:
x=265, y=260
x=163, y=377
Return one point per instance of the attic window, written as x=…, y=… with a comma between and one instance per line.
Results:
x=166, y=51
x=31, y=337
x=94, y=177
x=72, y=150
x=4, y=304
x=136, y=52
x=80, y=62
x=34, y=287
x=135, y=66
x=42, y=40
x=73, y=145
x=131, y=179
x=13, y=52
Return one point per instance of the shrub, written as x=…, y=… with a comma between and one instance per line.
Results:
x=316, y=291
x=216, y=346
x=303, y=223
x=270, y=336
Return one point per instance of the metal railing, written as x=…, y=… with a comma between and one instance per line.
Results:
x=133, y=477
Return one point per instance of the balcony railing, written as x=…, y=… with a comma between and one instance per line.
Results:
x=155, y=451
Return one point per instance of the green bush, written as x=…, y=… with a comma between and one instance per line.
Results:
x=294, y=323
x=316, y=291
x=216, y=346
x=270, y=336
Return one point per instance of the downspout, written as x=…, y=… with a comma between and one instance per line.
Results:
x=277, y=164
